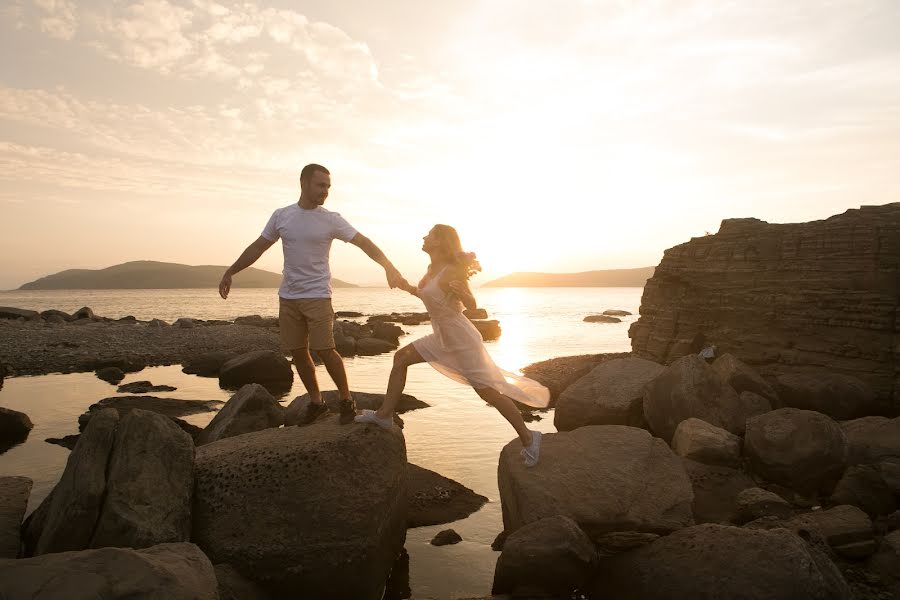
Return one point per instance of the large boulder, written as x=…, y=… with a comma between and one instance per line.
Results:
x=363, y=400
x=14, y=428
x=488, y=328
x=9, y=312
x=78, y=497
x=234, y=586
x=886, y=562
x=556, y=374
x=252, y=408
x=712, y=562
x=265, y=367
x=550, y=557
x=170, y=571
x=207, y=364
x=836, y=395
x=328, y=502
x=149, y=484
x=690, y=388
x=800, y=449
x=605, y=477
x=387, y=332
x=14, y=493
x=610, y=394
x=370, y=346
x=742, y=378
x=698, y=440
x=757, y=503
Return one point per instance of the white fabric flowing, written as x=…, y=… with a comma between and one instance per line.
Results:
x=457, y=350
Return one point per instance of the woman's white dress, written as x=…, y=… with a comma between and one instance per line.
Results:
x=456, y=349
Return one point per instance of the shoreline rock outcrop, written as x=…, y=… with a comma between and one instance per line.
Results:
x=814, y=297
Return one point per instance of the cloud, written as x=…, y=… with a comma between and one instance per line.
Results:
x=59, y=19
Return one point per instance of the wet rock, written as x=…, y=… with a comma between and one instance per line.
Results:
x=208, y=364
x=551, y=557
x=157, y=324
x=69, y=521
x=601, y=319
x=838, y=396
x=372, y=346
x=170, y=407
x=612, y=312
x=143, y=387
x=14, y=428
x=8, y=312
x=184, y=323
x=800, y=449
x=690, y=388
x=67, y=441
x=742, y=378
x=698, y=440
x=265, y=367
x=598, y=476
x=257, y=321
x=47, y=314
x=499, y=541
x=171, y=571
x=434, y=499
x=14, y=492
x=610, y=394
x=149, y=484
x=387, y=332
x=111, y=375
x=234, y=586
x=489, y=329
x=688, y=565
x=475, y=313
x=252, y=408
x=348, y=313
x=446, y=537
x=331, y=536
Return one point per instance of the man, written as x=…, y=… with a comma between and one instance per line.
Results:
x=305, y=314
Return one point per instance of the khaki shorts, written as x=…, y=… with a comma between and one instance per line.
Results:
x=306, y=322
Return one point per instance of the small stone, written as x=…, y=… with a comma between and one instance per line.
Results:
x=446, y=537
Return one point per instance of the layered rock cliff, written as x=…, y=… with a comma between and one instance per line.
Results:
x=810, y=297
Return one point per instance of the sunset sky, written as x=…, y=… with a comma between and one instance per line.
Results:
x=556, y=136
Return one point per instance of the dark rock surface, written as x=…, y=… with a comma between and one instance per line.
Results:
x=234, y=586
x=170, y=407
x=14, y=428
x=435, y=499
x=557, y=374
x=447, y=537
x=602, y=319
x=265, y=367
x=811, y=297
x=144, y=387
x=252, y=408
x=14, y=492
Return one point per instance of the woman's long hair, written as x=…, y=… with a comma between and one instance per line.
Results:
x=452, y=250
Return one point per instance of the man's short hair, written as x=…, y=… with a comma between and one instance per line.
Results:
x=310, y=170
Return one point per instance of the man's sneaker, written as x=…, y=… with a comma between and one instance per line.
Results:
x=313, y=412
x=347, y=411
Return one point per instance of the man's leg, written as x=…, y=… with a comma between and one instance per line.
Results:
x=306, y=369
x=334, y=364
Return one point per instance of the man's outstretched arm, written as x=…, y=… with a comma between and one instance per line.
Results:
x=394, y=278
x=247, y=258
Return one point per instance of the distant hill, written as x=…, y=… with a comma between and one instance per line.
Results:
x=611, y=278
x=148, y=274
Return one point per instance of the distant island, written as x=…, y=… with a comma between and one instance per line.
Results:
x=611, y=278
x=148, y=274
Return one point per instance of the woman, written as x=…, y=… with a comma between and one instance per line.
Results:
x=456, y=348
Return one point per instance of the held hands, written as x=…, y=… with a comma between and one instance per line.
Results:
x=225, y=285
x=460, y=289
x=394, y=278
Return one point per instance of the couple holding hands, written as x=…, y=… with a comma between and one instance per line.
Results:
x=306, y=317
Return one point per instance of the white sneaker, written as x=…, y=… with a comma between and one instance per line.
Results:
x=533, y=451
x=369, y=416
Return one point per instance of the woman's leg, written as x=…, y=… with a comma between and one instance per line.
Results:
x=403, y=359
x=508, y=409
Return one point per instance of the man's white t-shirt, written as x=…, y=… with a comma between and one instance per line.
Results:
x=306, y=237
